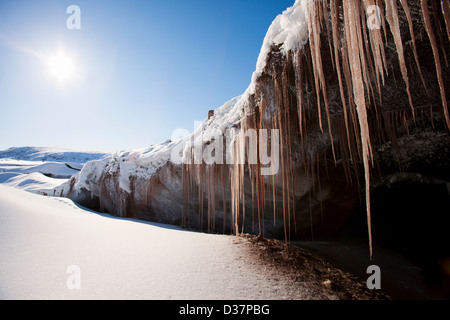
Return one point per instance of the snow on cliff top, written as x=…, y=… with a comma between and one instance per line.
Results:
x=289, y=29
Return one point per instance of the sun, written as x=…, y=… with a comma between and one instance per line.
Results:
x=61, y=66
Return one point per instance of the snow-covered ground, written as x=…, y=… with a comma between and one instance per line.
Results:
x=36, y=176
x=33, y=182
x=42, y=237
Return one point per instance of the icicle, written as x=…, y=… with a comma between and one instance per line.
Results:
x=429, y=28
x=210, y=178
x=392, y=18
x=327, y=25
x=335, y=31
x=314, y=38
x=358, y=58
x=236, y=183
x=301, y=109
x=352, y=24
x=224, y=200
x=282, y=156
x=185, y=181
x=446, y=12
x=314, y=35
x=353, y=112
x=308, y=178
x=437, y=24
x=404, y=4
x=273, y=186
x=370, y=64
x=378, y=52
x=200, y=175
x=360, y=45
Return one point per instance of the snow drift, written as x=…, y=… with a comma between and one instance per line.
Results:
x=42, y=237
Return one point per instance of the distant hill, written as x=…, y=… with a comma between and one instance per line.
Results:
x=51, y=154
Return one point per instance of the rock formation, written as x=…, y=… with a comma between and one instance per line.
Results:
x=353, y=95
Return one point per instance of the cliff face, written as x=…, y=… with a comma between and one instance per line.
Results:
x=335, y=110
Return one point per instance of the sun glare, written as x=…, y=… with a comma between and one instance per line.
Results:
x=61, y=66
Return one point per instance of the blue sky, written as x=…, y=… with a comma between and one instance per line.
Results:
x=141, y=68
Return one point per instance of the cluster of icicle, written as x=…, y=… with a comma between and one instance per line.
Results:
x=291, y=95
x=363, y=50
x=359, y=62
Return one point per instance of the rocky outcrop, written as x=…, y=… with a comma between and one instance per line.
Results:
x=343, y=106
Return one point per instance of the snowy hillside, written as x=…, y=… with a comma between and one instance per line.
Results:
x=33, y=182
x=40, y=170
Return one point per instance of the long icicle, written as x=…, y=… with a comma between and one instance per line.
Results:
x=413, y=40
x=437, y=24
x=335, y=28
x=392, y=18
x=446, y=12
x=429, y=28
x=352, y=24
x=314, y=34
x=313, y=37
x=377, y=47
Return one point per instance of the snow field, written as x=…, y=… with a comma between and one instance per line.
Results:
x=41, y=237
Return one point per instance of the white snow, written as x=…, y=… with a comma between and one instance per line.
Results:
x=34, y=182
x=35, y=176
x=41, y=170
x=41, y=237
x=290, y=29
x=55, y=169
